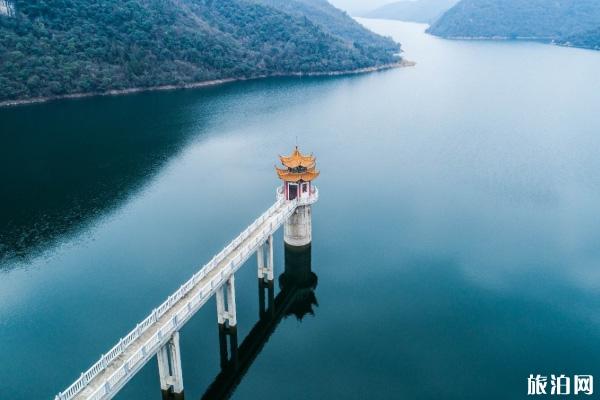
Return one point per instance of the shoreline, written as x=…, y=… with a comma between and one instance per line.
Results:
x=533, y=39
x=196, y=85
x=497, y=38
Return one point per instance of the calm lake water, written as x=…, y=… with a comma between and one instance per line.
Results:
x=455, y=243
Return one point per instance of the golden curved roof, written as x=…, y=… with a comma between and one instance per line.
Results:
x=299, y=167
x=297, y=159
x=289, y=176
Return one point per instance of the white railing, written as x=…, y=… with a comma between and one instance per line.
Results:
x=278, y=213
x=305, y=199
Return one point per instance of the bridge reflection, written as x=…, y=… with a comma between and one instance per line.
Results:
x=297, y=297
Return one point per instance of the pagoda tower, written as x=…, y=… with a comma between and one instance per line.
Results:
x=297, y=176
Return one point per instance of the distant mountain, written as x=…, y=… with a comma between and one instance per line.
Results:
x=519, y=19
x=335, y=22
x=426, y=11
x=57, y=47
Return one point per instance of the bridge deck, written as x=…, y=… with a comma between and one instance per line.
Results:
x=120, y=364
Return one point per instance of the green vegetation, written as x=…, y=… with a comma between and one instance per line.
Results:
x=554, y=20
x=337, y=23
x=426, y=11
x=58, y=47
x=587, y=40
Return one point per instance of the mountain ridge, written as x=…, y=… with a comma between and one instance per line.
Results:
x=58, y=48
x=559, y=21
x=423, y=11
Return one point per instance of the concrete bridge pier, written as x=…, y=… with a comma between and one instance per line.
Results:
x=266, y=276
x=264, y=254
x=297, y=230
x=169, y=369
x=227, y=320
x=226, y=313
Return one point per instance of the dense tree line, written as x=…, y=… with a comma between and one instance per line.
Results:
x=587, y=40
x=57, y=47
x=555, y=20
x=337, y=23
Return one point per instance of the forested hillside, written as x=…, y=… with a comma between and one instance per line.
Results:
x=426, y=11
x=336, y=23
x=513, y=19
x=588, y=40
x=58, y=47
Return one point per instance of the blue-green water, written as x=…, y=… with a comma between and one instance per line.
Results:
x=455, y=242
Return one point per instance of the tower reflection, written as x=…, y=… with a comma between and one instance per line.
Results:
x=297, y=297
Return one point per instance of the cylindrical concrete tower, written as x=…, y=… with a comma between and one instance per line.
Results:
x=297, y=176
x=297, y=230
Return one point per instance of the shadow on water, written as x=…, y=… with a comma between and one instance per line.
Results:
x=297, y=297
x=67, y=163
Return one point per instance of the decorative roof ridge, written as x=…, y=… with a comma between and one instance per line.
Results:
x=294, y=161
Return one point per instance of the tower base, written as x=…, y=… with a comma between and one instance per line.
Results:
x=297, y=230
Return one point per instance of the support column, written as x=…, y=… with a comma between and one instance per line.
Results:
x=221, y=313
x=264, y=254
x=266, y=275
x=270, y=263
x=227, y=321
x=176, y=372
x=226, y=313
x=169, y=368
x=231, y=310
x=260, y=260
x=163, y=368
x=297, y=230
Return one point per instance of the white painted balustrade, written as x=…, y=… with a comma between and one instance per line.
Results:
x=158, y=334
